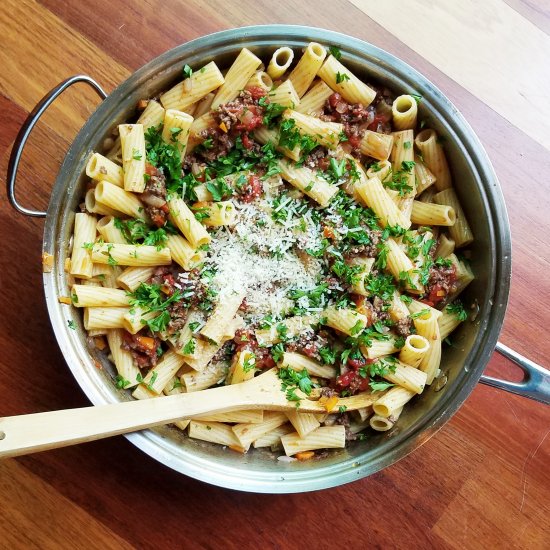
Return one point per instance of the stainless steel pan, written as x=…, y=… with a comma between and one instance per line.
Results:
x=463, y=362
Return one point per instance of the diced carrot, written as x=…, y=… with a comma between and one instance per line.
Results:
x=328, y=232
x=142, y=103
x=145, y=342
x=65, y=300
x=223, y=127
x=304, y=455
x=99, y=342
x=330, y=403
x=237, y=449
x=47, y=262
x=200, y=204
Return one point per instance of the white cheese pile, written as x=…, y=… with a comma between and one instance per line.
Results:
x=258, y=254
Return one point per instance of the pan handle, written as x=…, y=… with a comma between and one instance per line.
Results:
x=536, y=380
x=24, y=133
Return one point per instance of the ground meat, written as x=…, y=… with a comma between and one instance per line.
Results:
x=337, y=109
x=379, y=307
x=154, y=196
x=251, y=190
x=304, y=341
x=318, y=159
x=441, y=282
x=242, y=114
x=224, y=353
x=369, y=250
x=172, y=278
x=355, y=117
x=143, y=346
x=309, y=344
x=219, y=145
x=403, y=326
x=344, y=420
x=328, y=392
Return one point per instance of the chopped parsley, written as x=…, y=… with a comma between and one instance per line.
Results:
x=272, y=111
x=335, y=52
x=292, y=380
x=150, y=298
x=71, y=324
x=189, y=348
x=219, y=189
x=136, y=231
x=249, y=363
x=376, y=385
x=121, y=382
x=187, y=72
x=328, y=355
x=341, y=77
x=457, y=309
x=277, y=352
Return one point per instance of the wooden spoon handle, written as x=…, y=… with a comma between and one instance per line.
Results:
x=42, y=431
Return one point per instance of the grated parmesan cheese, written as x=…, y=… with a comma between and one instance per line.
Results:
x=259, y=254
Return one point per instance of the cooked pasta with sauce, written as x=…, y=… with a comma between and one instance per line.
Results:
x=263, y=234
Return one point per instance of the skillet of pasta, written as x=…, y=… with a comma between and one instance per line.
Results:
x=289, y=216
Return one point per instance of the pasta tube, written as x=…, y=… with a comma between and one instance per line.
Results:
x=460, y=231
x=280, y=62
x=343, y=81
x=303, y=74
x=200, y=83
x=101, y=168
x=404, y=111
x=236, y=78
x=324, y=133
x=118, y=199
x=325, y=437
x=129, y=254
x=308, y=182
x=84, y=235
x=184, y=219
x=434, y=158
x=132, y=141
x=285, y=94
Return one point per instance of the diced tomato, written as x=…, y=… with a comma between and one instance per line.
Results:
x=150, y=170
x=247, y=142
x=354, y=141
x=357, y=363
x=250, y=119
x=309, y=349
x=346, y=380
x=256, y=92
x=158, y=219
x=253, y=190
x=334, y=99
x=378, y=119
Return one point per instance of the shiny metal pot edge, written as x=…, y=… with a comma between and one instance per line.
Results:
x=266, y=474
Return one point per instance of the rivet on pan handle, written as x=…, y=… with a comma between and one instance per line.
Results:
x=26, y=129
x=536, y=382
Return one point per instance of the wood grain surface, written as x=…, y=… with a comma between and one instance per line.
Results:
x=482, y=482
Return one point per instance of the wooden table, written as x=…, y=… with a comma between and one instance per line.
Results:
x=481, y=482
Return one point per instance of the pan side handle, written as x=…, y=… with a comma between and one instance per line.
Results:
x=535, y=384
x=25, y=131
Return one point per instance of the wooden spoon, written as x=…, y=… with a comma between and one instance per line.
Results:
x=31, y=433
